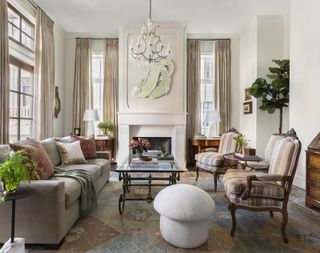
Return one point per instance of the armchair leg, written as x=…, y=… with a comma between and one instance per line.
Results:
x=215, y=178
x=197, y=173
x=284, y=225
x=233, y=216
x=271, y=214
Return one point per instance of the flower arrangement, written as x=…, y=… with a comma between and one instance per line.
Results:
x=242, y=142
x=140, y=145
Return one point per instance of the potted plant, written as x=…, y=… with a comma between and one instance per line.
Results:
x=106, y=127
x=16, y=169
x=241, y=143
x=274, y=95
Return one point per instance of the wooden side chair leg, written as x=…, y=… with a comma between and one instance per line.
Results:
x=233, y=216
x=197, y=173
x=284, y=225
x=271, y=214
x=215, y=179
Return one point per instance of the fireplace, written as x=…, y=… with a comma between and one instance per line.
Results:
x=159, y=143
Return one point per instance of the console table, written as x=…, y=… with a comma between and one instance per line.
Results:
x=206, y=143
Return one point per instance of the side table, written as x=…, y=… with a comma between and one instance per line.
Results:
x=105, y=145
x=21, y=192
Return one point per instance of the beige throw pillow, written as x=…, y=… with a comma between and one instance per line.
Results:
x=71, y=153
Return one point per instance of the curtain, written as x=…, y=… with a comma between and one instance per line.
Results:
x=4, y=73
x=81, y=91
x=110, y=91
x=193, y=94
x=223, y=83
x=44, y=74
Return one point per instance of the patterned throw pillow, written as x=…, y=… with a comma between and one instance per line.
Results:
x=36, y=152
x=88, y=146
x=71, y=153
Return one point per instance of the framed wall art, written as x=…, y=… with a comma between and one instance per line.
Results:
x=247, y=107
x=247, y=95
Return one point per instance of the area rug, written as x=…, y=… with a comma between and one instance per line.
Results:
x=137, y=230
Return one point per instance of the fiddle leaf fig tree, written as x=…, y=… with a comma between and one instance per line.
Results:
x=273, y=95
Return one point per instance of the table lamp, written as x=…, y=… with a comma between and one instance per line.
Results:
x=212, y=117
x=90, y=115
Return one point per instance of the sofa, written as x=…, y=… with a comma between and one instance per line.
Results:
x=47, y=215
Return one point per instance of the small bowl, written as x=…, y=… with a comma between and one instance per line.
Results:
x=145, y=158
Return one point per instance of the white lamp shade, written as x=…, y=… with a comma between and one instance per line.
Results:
x=212, y=117
x=90, y=115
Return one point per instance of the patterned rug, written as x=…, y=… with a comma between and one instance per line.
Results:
x=137, y=230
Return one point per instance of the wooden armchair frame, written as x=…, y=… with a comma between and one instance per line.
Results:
x=224, y=163
x=286, y=184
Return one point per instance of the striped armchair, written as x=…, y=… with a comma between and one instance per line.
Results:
x=213, y=162
x=260, y=192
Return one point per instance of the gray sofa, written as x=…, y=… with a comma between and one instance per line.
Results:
x=47, y=215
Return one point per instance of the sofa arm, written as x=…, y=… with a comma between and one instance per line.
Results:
x=103, y=154
x=40, y=217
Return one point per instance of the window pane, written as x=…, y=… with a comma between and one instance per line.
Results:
x=13, y=130
x=26, y=106
x=13, y=32
x=25, y=40
x=27, y=28
x=26, y=82
x=25, y=129
x=14, y=74
x=13, y=18
x=13, y=105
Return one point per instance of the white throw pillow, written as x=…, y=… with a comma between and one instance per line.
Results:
x=71, y=153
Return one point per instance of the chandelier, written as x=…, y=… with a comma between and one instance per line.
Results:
x=149, y=46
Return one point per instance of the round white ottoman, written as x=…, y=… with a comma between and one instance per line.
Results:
x=184, y=211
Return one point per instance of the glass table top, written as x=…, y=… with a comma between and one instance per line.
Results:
x=161, y=166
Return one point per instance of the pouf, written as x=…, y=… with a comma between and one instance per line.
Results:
x=184, y=211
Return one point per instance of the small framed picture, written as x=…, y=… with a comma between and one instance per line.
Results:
x=247, y=95
x=247, y=107
x=76, y=131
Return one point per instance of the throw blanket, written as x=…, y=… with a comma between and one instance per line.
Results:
x=88, y=200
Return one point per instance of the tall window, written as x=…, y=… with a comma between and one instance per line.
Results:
x=22, y=91
x=21, y=30
x=21, y=100
x=97, y=83
x=207, y=82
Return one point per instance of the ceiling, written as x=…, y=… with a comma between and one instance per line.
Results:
x=201, y=16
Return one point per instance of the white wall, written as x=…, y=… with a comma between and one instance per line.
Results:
x=260, y=42
x=304, y=75
x=248, y=73
x=59, y=43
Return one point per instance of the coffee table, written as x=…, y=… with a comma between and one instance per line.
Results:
x=167, y=172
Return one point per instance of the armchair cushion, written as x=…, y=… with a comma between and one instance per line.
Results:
x=235, y=182
x=209, y=158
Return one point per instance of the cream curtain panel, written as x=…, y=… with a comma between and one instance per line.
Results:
x=81, y=92
x=4, y=73
x=193, y=93
x=223, y=83
x=44, y=73
x=110, y=91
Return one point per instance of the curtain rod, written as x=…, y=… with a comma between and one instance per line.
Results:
x=33, y=4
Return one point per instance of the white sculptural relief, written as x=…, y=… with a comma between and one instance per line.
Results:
x=158, y=81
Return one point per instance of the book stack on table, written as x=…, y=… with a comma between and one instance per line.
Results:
x=247, y=157
x=137, y=163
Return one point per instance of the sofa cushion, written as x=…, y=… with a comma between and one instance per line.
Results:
x=88, y=146
x=71, y=153
x=93, y=170
x=72, y=190
x=36, y=152
x=103, y=163
x=51, y=148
